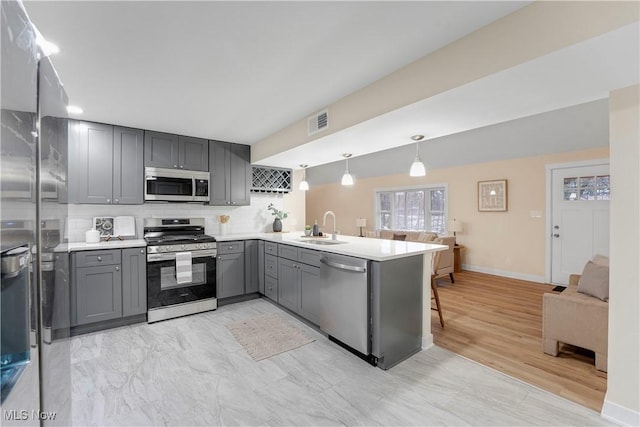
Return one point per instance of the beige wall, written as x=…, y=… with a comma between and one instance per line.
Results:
x=499, y=242
x=623, y=391
x=294, y=204
x=535, y=30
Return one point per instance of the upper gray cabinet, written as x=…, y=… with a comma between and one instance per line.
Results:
x=230, y=168
x=105, y=164
x=164, y=150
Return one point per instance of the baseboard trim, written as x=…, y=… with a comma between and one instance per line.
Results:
x=619, y=414
x=503, y=273
x=427, y=341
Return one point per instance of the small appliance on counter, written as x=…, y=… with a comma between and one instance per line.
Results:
x=181, y=268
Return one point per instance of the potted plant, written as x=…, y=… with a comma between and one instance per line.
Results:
x=307, y=230
x=279, y=216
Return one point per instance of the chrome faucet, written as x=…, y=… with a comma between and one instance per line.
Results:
x=334, y=233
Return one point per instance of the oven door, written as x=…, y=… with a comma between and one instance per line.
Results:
x=162, y=287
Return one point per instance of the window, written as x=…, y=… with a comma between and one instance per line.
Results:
x=587, y=188
x=420, y=209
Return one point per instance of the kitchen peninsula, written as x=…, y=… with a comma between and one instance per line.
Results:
x=372, y=295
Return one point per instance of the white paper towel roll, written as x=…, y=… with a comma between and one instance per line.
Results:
x=92, y=236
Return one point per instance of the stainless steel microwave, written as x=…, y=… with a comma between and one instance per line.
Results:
x=170, y=185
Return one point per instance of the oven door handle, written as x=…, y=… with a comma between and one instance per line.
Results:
x=172, y=255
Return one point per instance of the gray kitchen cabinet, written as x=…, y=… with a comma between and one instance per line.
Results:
x=107, y=284
x=164, y=150
x=261, y=266
x=106, y=164
x=230, y=275
x=134, y=281
x=271, y=288
x=230, y=170
x=193, y=153
x=288, y=284
x=128, y=166
x=310, y=293
x=251, y=266
x=98, y=293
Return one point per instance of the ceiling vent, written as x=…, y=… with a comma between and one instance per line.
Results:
x=318, y=122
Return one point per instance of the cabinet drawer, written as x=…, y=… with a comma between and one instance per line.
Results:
x=95, y=258
x=271, y=248
x=288, y=252
x=309, y=257
x=231, y=247
x=271, y=288
x=271, y=266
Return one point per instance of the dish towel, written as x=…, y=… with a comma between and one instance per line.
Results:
x=183, y=267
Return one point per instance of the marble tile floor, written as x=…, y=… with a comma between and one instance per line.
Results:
x=191, y=371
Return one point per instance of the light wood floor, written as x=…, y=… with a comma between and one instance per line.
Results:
x=497, y=322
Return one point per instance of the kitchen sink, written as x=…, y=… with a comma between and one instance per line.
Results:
x=323, y=242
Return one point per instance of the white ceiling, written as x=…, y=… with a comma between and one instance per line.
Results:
x=575, y=75
x=239, y=71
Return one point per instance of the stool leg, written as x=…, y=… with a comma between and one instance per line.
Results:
x=435, y=294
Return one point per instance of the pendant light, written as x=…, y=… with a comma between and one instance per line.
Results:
x=417, y=167
x=347, y=179
x=304, y=185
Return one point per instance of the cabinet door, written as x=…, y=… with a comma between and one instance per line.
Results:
x=134, y=281
x=98, y=293
x=288, y=284
x=271, y=288
x=194, y=153
x=230, y=275
x=240, y=167
x=160, y=150
x=261, y=266
x=91, y=165
x=310, y=293
x=219, y=184
x=251, y=266
x=128, y=166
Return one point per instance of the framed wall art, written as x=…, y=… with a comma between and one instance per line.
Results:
x=492, y=196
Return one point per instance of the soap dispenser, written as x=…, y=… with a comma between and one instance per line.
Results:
x=316, y=231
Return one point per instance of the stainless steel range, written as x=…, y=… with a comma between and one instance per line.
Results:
x=181, y=268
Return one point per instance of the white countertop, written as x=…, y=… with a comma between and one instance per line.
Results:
x=111, y=244
x=360, y=247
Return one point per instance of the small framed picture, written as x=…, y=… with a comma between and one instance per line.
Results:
x=492, y=196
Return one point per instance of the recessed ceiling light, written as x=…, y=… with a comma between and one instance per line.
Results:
x=73, y=109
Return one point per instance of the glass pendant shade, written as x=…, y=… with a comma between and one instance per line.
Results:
x=417, y=168
x=304, y=185
x=347, y=179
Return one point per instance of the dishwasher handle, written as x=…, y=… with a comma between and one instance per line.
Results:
x=343, y=266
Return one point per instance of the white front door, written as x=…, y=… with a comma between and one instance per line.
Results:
x=580, y=218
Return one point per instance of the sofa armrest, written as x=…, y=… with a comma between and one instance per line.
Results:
x=574, y=279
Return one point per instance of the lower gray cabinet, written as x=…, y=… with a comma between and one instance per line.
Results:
x=310, y=293
x=271, y=288
x=230, y=275
x=98, y=293
x=134, y=281
x=288, y=284
x=261, y=266
x=107, y=285
x=251, y=262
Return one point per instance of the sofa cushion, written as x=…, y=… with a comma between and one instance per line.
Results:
x=600, y=260
x=595, y=281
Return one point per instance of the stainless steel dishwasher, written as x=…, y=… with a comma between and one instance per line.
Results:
x=344, y=311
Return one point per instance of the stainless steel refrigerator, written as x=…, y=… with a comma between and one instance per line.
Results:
x=35, y=360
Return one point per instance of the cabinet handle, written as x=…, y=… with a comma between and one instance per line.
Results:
x=233, y=203
x=175, y=166
x=181, y=166
x=99, y=258
x=117, y=268
x=108, y=200
x=117, y=200
x=141, y=251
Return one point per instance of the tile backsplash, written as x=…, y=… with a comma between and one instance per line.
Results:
x=244, y=219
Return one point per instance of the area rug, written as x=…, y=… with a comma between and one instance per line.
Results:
x=267, y=335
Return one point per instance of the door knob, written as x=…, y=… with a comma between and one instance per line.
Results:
x=117, y=268
x=556, y=235
x=556, y=227
x=99, y=258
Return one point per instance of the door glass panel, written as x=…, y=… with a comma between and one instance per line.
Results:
x=603, y=189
